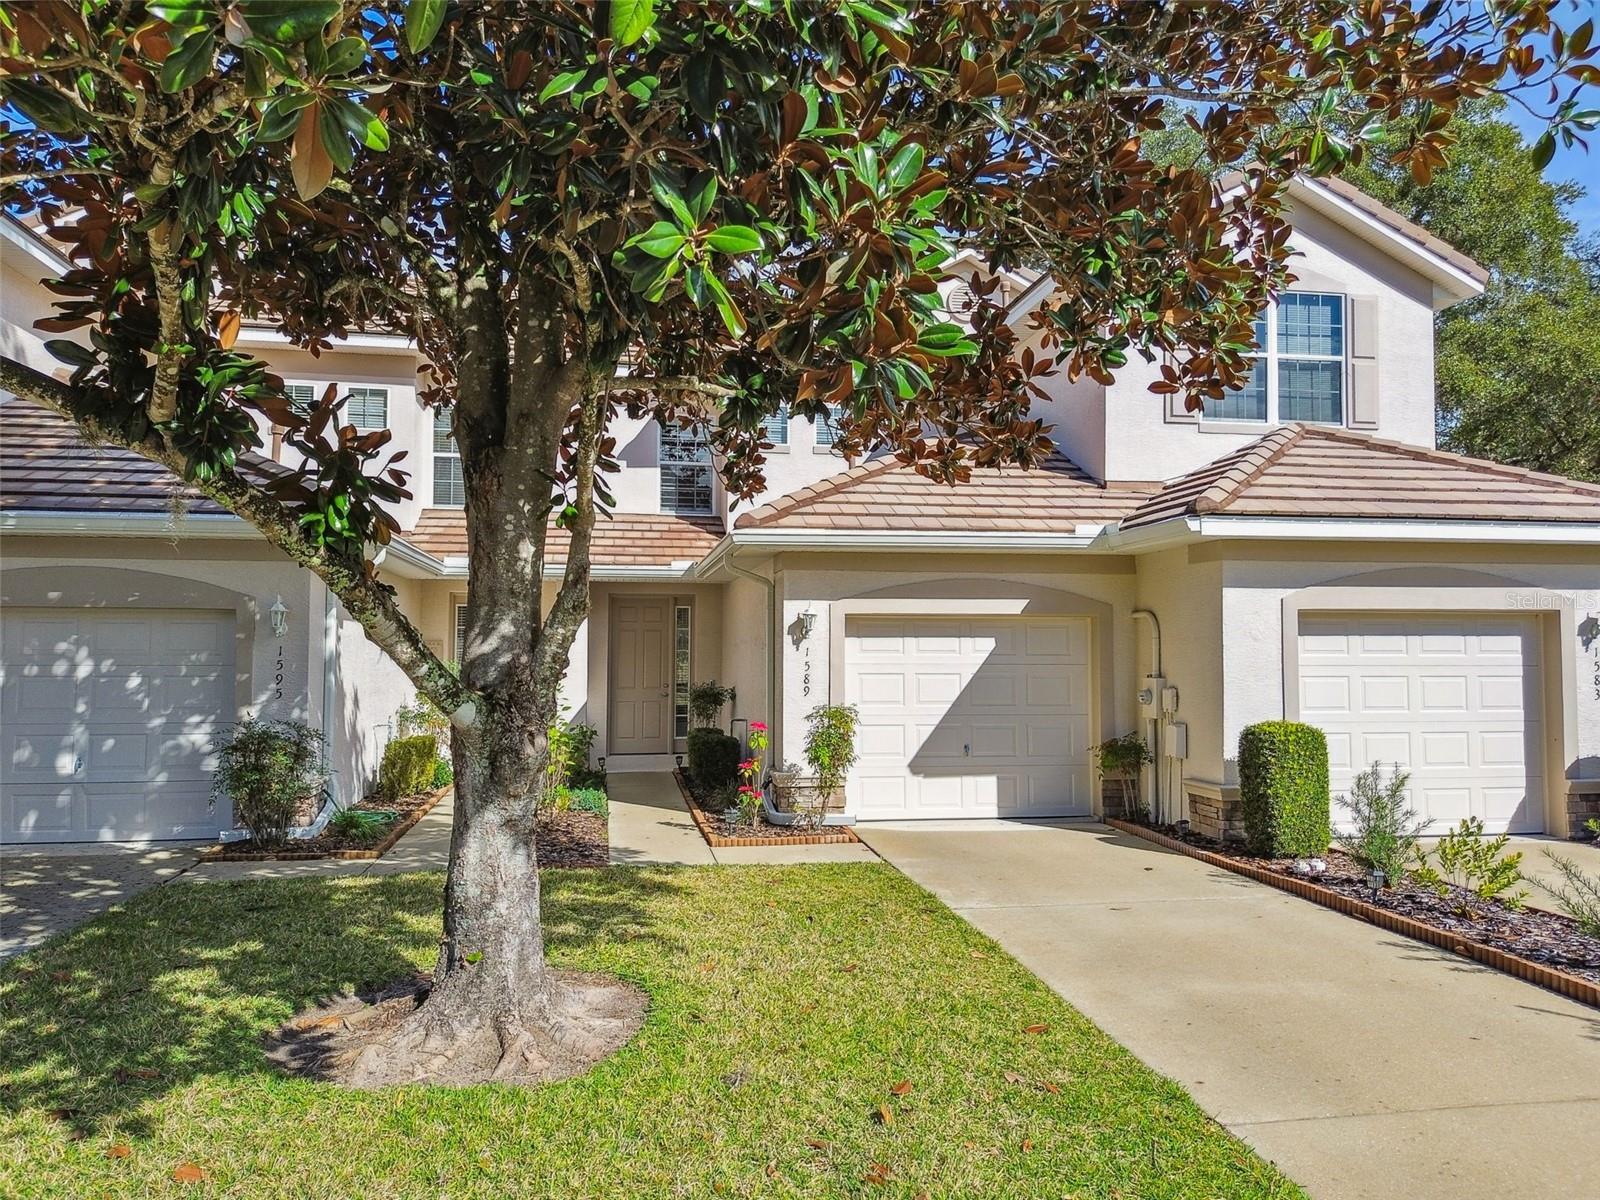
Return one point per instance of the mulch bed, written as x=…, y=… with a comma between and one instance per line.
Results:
x=1536, y=945
x=727, y=829
x=329, y=844
x=573, y=839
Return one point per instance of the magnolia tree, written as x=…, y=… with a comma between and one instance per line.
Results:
x=756, y=202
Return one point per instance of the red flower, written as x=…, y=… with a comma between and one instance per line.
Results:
x=746, y=790
x=758, y=726
x=748, y=764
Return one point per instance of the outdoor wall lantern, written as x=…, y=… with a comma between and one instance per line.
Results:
x=280, y=617
x=678, y=758
x=808, y=620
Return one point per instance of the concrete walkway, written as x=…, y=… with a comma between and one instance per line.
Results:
x=1362, y=1063
x=650, y=824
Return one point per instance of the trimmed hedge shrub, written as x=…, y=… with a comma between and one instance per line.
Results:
x=407, y=766
x=713, y=757
x=1283, y=789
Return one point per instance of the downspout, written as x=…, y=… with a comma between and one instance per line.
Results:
x=330, y=727
x=773, y=632
x=1153, y=731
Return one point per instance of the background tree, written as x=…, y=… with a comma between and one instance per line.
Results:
x=1518, y=369
x=756, y=200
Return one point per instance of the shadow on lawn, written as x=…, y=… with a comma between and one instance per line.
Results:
x=187, y=979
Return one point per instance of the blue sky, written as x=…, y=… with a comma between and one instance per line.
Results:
x=1572, y=163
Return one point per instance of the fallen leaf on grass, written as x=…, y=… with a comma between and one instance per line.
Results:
x=849, y=968
x=1027, y=1145
x=903, y=1088
x=878, y=1174
x=772, y=1170
x=884, y=1115
x=120, y=1150
x=817, y=1143
x=979, y=954
x=61, y=976
x=188, y=1173
x=1035, y=1029
x=124, y=1074
x=1013, y=1077
x=708, y=966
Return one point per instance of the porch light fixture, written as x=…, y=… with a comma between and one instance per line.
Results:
x=807, y=620
x=602, y=764
x=280, y=617
x=678, y=759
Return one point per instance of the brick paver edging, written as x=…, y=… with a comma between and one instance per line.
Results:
x=399, y=830
x=839, y=835
x=1571, y=986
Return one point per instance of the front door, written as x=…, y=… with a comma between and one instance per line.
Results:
x=641, y=675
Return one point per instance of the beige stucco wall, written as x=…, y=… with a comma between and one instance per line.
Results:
x=1186, y=598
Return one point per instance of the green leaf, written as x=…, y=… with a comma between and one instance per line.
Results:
x=702, y=195
x=331, y=130
x=288, y=21
x=630, y=19
x=185, y=14
x=189, y=63
x=560, y=85
x=1544, y=150
x=906, y=165
x=362, y=122
x=661, y=240
x=280, y=117
x=345, y=56
x=70, y=352
x=423, y=19
x=734, y=239
x=671, y=199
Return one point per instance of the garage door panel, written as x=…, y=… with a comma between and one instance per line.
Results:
x=979, y=716
x=110, y=722
x=1452, y=699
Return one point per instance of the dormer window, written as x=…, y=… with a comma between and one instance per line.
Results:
x=1299, y=370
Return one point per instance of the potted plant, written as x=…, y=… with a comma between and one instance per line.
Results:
x=818, y=798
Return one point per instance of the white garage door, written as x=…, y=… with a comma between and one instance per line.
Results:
x=969, y=717
x=108, y=719
x=1455, y=700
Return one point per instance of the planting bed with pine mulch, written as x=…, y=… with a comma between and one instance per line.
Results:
x=727, y=827
x=572, y=839
x=331, y=844
x=1547, y=938
x=812, y=1031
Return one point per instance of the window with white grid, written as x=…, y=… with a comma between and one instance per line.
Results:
x=828, y=427
x=367, y=407
x=1299, y=372
x=776, y=427
x=449, y=489
x=685, y=471
x=302, y=397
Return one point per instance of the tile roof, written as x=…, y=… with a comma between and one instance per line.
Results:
x=1055, y=497
x=1316, y=471
x=47, y=466
x=620, y=540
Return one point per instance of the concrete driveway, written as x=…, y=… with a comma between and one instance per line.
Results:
x=50, y=890
x=1362, y=1063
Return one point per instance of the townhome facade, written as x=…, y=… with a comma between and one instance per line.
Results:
x=1301, y=551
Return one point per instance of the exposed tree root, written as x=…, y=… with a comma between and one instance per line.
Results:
x=387, y=1038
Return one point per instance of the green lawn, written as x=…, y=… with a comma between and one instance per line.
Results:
x=786, y=1003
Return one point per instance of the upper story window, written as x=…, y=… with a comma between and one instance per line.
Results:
x=449, y=489
x=685, y=471
x=828, y=427
x=1299, y=370
x=301, y=396
x=776, y=427
x=368, y=407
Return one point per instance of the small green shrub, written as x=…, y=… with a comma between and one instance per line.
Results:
x=713, y=758
x=443, y=773
x=1476, y=864
x=831, y=744
x=1283, y=789
x=589, y=800
x=570, y=745
x=421, y=717
x=407, y=766
x=1383, y=831
x=360, y=824
x=1578, y=893
x=706, y=702
x=272, y=771
x=1121, y=759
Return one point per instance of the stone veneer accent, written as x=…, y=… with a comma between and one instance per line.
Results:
x=1581, y=807
x=1219, y=819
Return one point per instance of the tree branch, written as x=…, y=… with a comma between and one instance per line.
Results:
x=366, y=599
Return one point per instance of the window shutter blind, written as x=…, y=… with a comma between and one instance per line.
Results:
x=1363, y=362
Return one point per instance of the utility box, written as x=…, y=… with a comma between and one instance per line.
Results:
x=1176, y=741
x=1150, y=697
